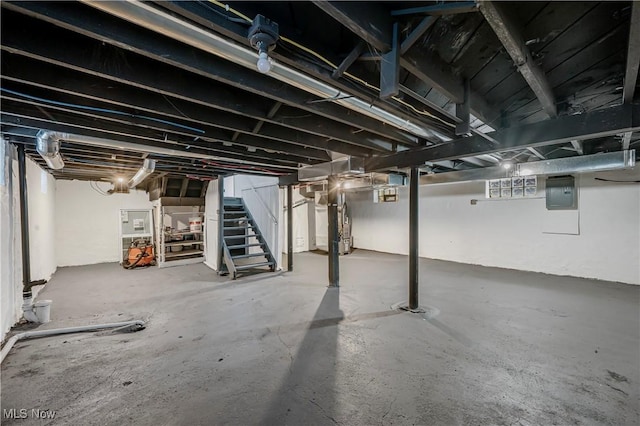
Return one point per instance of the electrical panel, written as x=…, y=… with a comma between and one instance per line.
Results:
x=561, y=193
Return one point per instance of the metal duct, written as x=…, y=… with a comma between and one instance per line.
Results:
x=355, y=184
x=148, y=166
x=48, y=146
x=581, y=164
x=374, y=180
x=151, y=149
x=342, y=167
x=147, y=16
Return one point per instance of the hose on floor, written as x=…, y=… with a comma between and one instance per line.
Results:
x=132, y=326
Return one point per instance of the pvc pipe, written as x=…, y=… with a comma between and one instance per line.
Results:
x=56, y=331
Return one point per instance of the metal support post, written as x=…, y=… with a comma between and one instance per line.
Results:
x=220, y=223
x=332, y=210
x=289, y=227
x=24, y=223
x=414, y=237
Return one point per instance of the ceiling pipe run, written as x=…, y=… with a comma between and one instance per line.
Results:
x=48, y=146
x=619, y=160
x=147, y=16
x=148, y=166
x=149, y=149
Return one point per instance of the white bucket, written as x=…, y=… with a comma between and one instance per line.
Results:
x=42, y=310
x=195, y=224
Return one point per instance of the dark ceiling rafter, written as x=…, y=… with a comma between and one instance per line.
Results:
x=211, y=20
x=114, y=71
x=443, y=8
x=349, y=60
x=429, y=69
x=509, y=35
x=601, y=123
x=633, y=63
x=41, y=75
x=80, y=164
x=100, y=26
x=416, y=33
x=209, y=133
x=251, y=80
x=145, y=139
x=171, y=83
x=633, y=55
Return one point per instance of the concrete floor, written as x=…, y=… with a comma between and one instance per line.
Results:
x=504, y=348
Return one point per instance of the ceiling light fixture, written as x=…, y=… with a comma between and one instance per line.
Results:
x=263, y=36
x=507, y=164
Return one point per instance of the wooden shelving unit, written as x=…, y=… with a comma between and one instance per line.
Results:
x=179, y=246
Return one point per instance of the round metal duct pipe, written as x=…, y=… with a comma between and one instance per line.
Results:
x=148, y=166
x=48, y=146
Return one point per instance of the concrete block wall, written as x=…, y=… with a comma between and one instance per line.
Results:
x=601, y=240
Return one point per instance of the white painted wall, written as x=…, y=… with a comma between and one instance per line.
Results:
x=510, y=233
x=10, y=266
x=42, y=224
x=303, y=223
x=211, y=207
x=87, y=222
x=41, y=190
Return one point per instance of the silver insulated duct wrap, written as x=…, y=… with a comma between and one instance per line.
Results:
x=48, y=146
x=342, y=167
x=147, y=168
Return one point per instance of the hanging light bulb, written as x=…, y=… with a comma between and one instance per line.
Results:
x=507, y=164
x=264, y=62
x=263, y=36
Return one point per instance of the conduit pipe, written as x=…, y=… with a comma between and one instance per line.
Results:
x=48, y=146
x=57, y=331
x=148, y=166
x=153, y=19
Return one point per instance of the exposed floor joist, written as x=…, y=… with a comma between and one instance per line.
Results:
x=633, y=55
x=428, y=68
x=507, y=31
x=77, y=18
x=608, y=122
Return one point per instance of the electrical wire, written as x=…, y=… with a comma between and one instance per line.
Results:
x=334, y=66
x=242, y=167
x=105, y=110
x=618, y=181
x=98, y=189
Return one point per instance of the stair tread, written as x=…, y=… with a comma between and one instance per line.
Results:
x=239, y=227
x=239, y=246
x=244, y=256
x=231, y=237
x=253, y=265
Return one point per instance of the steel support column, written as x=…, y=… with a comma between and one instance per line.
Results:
x=333, y=239
x=289, y=227
x=24, y=223
x=220, y=223
x=414, y=210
